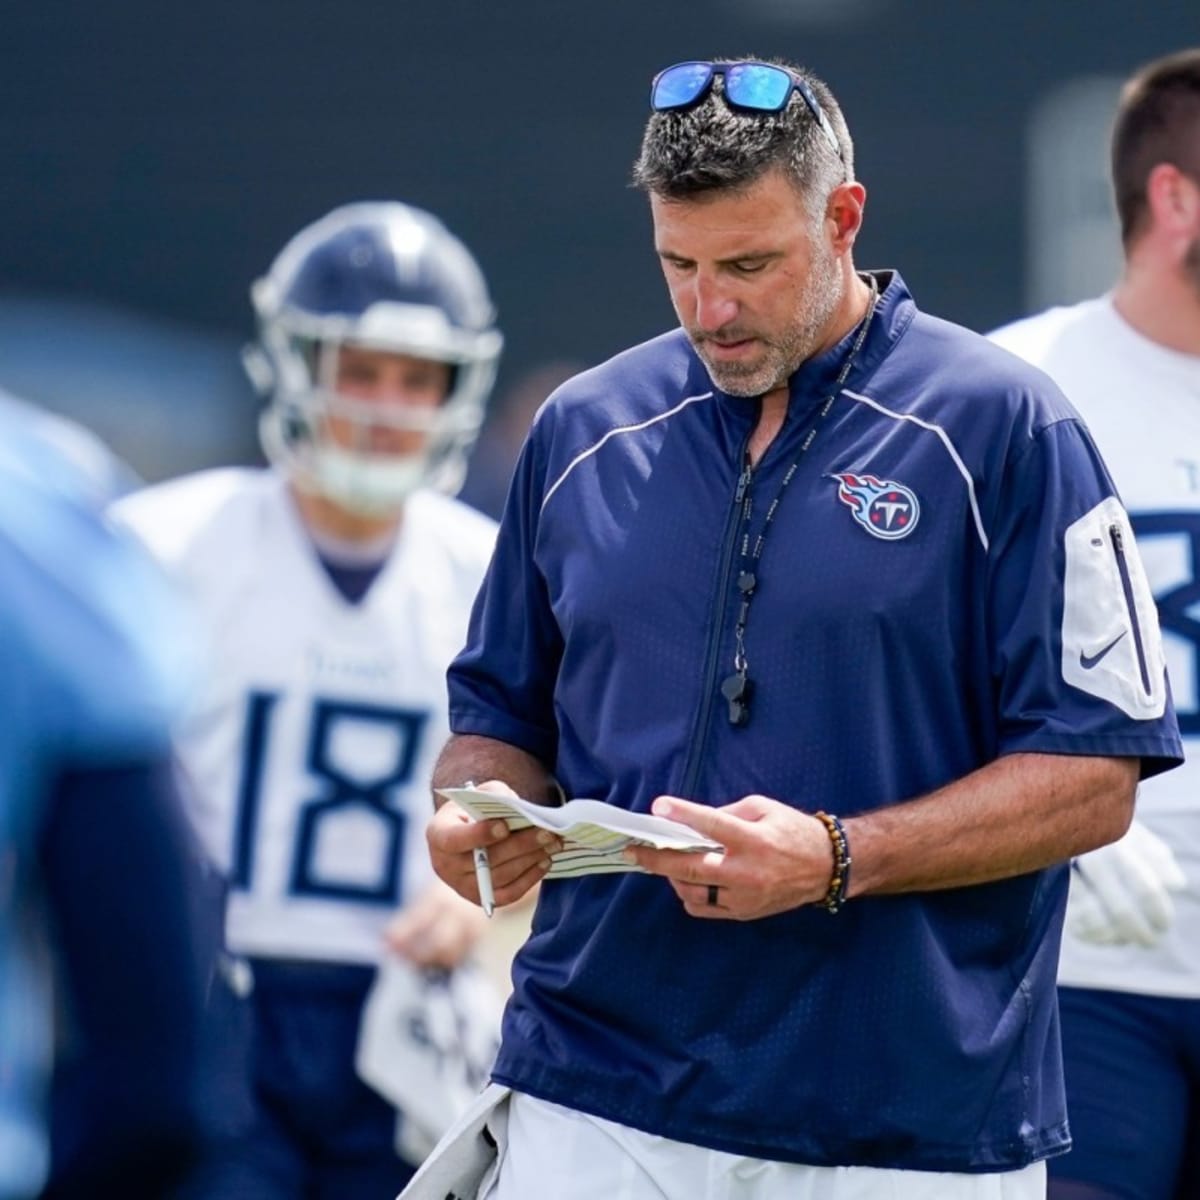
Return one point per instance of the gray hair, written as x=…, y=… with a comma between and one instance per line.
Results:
x=712, y=147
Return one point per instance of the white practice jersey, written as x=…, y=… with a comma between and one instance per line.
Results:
x=310, y=750
x=1142, y=405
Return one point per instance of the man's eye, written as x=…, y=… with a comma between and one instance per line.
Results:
x=749, y=268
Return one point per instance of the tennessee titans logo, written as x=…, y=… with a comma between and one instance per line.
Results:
x=884, y=508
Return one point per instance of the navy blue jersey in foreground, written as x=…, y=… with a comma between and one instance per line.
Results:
x=95, y=863
x=915, y=1031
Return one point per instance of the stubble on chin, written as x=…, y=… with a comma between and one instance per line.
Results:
x=748, y=379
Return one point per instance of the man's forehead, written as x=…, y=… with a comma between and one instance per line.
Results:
x=727, y=222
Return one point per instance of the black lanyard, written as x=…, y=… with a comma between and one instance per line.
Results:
x=738, y=687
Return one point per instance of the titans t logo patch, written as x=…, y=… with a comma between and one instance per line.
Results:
x=884, y=508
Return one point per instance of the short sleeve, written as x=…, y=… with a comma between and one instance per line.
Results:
x=502, y=684
x=1076, y=651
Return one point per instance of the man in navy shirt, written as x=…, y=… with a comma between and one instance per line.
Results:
x=847, y=589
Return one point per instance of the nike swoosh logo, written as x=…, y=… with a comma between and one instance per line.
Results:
x=1088, y=661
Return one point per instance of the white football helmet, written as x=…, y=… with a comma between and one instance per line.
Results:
x=383, y=276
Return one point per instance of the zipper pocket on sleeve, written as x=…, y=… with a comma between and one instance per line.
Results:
x=1117, y=538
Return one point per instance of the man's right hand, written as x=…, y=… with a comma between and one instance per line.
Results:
x=518, y=861
x=1121, y=893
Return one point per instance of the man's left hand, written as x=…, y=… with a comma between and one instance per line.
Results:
x=439, y=929
x=776, y=858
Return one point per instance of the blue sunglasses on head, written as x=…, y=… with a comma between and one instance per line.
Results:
x=754, y=86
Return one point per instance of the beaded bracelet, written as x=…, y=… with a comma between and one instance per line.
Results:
x=835, y=896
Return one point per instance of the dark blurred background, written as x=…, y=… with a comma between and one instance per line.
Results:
x=157, y=155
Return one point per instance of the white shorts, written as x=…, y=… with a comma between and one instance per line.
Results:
x=555, y=1153
x=547, y=1152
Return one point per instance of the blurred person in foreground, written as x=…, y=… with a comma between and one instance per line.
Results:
x=1129, y=361
x=333, y=588
x=102, y=954
x=812, y=574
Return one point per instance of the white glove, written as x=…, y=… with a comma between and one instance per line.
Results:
x=1121, y=893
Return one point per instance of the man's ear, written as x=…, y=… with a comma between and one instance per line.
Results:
x=845, y=209
x=1173, y=198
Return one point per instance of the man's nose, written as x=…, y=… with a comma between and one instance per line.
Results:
x=386, y=391
x=714, y=307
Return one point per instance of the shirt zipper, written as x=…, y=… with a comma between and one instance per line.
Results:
x=704, y=720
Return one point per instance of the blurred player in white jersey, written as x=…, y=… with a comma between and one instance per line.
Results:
x=1130, y=362
x=333, y=589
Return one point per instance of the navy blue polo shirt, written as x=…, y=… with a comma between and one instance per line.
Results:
x=914, y=620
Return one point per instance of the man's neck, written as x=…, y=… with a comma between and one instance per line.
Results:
x=855, y=297
x=324, y=517
x=1161, y=304
x=773, y=413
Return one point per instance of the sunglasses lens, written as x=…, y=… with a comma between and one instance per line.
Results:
x=758, y=86
x=680, y=85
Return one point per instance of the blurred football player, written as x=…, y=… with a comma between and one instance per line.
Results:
x=1129, y=980
x=102, y=960
x=333, y=589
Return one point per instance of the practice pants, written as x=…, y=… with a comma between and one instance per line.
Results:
x=1132, y=1067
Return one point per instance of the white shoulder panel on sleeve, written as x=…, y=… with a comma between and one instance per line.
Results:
x=1111, y=647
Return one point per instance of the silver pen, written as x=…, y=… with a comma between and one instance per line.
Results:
x=483, y=873
x=483, y=878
